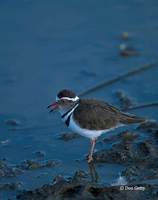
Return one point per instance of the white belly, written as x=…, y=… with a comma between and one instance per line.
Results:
x=85, y=132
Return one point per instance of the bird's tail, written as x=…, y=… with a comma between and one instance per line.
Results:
x=126, y=118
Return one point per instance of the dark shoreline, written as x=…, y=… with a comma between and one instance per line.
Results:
x=138, y=155
x=81, y=189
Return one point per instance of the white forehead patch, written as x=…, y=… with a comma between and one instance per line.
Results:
x=68, y=98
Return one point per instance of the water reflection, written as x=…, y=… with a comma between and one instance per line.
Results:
x=93, y=172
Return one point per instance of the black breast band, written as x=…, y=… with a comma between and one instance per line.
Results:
x=67, y=122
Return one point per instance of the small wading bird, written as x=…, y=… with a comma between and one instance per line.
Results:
x=90, y=118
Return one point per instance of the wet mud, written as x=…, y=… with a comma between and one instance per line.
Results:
x=138, y=155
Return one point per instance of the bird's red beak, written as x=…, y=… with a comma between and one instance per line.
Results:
x=54, y=106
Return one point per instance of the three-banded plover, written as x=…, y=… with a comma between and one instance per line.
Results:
x=88, y=117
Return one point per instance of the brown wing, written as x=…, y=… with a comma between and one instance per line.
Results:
x=96, y=115
x=99, y=115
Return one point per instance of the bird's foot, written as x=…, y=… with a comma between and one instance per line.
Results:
x=90, y=158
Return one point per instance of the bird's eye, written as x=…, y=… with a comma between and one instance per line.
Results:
x=62, y=101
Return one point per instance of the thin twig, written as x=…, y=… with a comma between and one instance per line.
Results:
x=147, y=105
x=118, y=78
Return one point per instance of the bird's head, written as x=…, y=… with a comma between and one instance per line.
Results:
x=65, y=99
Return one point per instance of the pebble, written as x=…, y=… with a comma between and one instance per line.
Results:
x=68, y=136
x=125, y=35
x=13, y=122
x=126, y=50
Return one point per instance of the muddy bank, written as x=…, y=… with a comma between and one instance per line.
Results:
x=7, y=170
x=137, y=151
x=79, y=187
x=139, y=155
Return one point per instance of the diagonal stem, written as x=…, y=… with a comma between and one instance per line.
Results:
x=118, y=78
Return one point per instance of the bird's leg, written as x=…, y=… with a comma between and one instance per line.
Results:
x=90, y=156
